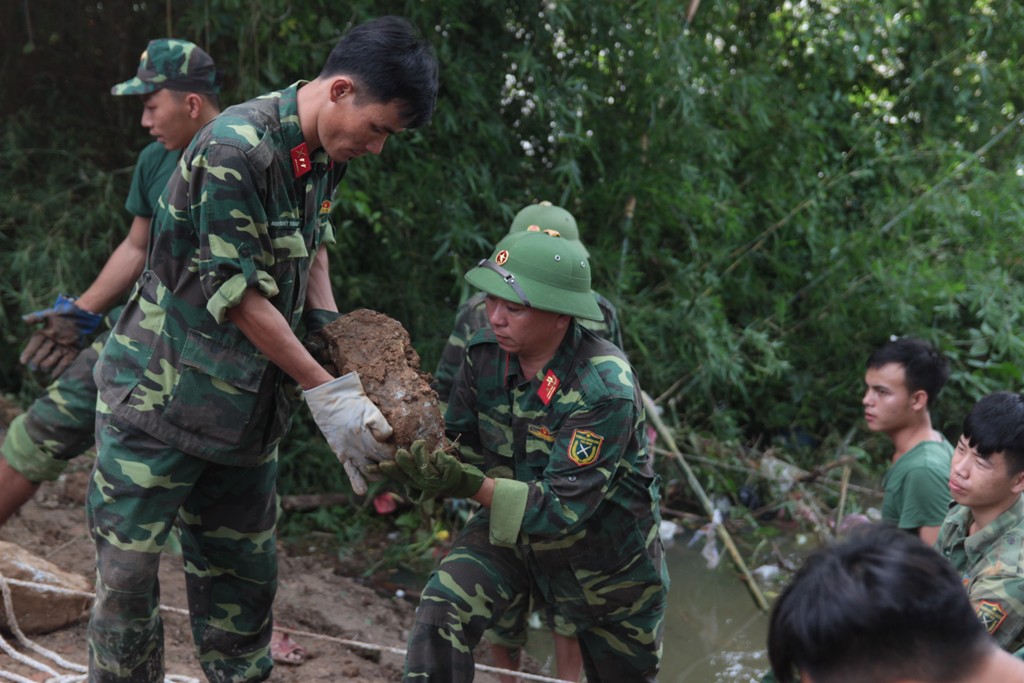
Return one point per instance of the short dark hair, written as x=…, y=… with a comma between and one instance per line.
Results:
x=392, y=63
x=996, y=425
x=876, y=607
x=923, y=366
x=179, y=95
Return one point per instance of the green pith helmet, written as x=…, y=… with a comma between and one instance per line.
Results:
x=172, y=64
x=547, y=216
x=540, y=270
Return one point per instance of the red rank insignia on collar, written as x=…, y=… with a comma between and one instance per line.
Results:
x=300, y=160
x=548, y=387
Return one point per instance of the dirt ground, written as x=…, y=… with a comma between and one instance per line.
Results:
x=324, y=606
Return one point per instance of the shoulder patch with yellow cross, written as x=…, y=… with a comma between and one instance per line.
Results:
x=584, y=446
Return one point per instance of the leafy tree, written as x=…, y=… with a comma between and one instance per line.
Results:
x=768, y=190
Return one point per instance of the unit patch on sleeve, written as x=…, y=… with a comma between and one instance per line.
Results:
x=992, y=615
x=584, y=446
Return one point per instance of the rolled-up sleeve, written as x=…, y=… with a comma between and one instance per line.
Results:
x=235, y=249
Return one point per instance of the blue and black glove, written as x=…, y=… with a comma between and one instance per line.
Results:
x=64, y=333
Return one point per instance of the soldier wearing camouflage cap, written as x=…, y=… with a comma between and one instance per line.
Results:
x=60, y=424
x=198, y=382
x=549, y=424
x=172, y=64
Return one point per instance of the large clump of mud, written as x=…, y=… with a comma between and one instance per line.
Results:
x=378, y=348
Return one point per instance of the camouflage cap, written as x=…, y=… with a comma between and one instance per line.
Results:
x=175, y=65
x=547, y=216
x=540, y=270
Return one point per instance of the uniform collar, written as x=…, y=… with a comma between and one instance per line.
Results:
x=291, y=131
x=977, y=545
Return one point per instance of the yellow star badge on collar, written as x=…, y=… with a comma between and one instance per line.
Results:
x=584, y=446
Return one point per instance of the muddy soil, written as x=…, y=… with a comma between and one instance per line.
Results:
x=378, y=348
x=328, y=612
x=353, y=629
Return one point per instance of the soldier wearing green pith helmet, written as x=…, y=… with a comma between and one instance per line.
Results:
x=509, y=635
x=549, y=424
x=200, y=377
x=472, y=314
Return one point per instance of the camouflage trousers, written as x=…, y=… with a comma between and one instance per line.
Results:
x=59, y=425
x=140, y=489
x=478, y=582
x=511, y=629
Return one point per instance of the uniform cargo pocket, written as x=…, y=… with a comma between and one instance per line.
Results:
x=217, y=390
x=607, y=581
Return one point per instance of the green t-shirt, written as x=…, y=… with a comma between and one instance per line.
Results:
x=152, y=171
x=917, y=486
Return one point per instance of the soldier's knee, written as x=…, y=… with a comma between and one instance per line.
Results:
x=126, y=571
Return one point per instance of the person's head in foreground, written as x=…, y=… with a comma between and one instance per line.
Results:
x=881, y=607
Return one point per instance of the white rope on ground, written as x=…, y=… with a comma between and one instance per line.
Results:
x=12, y=623
x=54, y=677
x=352, y=644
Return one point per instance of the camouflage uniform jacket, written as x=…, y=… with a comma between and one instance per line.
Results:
x=991, y=562
x=472, y=316
x=576, y=446
x=247, y=208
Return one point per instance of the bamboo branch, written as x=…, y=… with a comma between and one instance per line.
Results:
x=723, y=533
x=842, y=497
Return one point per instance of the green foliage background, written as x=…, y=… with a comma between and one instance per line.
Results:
x=768, y=191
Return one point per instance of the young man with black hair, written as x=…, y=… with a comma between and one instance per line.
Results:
x=983, y=535
x=200, y=377
x=881, y=607
x=903, y=380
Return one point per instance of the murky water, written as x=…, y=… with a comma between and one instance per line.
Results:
x=714, y=633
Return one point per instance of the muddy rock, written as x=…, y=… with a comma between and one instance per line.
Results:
x=378, y=348
x=38, y=610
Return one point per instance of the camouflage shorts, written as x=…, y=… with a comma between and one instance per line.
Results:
x=59, y=425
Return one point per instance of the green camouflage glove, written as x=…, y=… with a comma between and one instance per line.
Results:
x=433, y=472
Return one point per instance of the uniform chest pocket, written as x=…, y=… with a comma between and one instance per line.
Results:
x=287, y=240
x=216, y=392
x=496, y=433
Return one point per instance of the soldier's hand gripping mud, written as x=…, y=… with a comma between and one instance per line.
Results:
x=353, y=426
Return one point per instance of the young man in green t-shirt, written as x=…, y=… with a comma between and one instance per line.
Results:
x=903, y=380
x=179, y=87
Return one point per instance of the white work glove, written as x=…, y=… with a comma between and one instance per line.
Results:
x=353, y=426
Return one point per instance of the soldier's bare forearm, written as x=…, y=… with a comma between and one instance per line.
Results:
x=269, y=332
